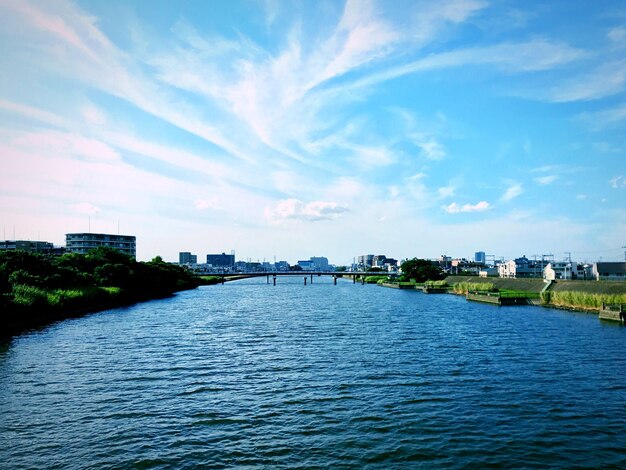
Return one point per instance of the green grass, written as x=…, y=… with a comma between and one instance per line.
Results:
x=436, y=284
x=583, y=300
x=465, y=287
x=38, y=298
x=375, y=279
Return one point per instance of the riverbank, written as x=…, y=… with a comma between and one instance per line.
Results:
x=587, y=296
x=37, y=290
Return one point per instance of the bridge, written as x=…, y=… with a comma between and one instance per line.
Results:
x=361, y=275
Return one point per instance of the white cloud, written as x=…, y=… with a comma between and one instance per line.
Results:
x=446, y=191
x=455, y=208
x=617, y=35
x=512, y=192
x=294, y=209
x=608, y=79
x=618, y=182
x=545, y=180
x=430, y=147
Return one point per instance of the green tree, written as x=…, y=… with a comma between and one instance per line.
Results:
x=421, y=270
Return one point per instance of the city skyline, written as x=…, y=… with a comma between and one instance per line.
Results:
x=317, y=128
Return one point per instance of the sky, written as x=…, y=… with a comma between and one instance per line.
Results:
x=292, y=129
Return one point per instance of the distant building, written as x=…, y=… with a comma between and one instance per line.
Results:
x=184, y=257
x=480, y=257
x=521, y=268
x=609, y=271
x=306, y=265
x=281, y=266
x=83, y=242
x=27, y=245
x=559, y=270
x=463, y=266
x=365, y=261
x=320, y=263
x=488, y=272
x=221, y=261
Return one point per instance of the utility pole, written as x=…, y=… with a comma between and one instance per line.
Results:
x=624, y=247
x=569, y=256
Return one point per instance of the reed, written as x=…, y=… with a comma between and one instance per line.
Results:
x=464, y=287
x=584, y=300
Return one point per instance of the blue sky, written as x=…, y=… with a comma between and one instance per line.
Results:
x=312, y=128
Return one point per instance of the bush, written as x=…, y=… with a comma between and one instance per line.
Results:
x=584, y=300
x=30, y=296
x=464, y=287
x=436, y=284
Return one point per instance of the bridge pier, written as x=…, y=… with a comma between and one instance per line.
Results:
x=305, y=280
x=274, y=279
x=268, y=278
x=311, y=278
x=335, y=280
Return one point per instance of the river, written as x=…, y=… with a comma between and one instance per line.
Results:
x=253, y=375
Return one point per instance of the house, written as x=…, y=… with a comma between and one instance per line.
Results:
x=488, y=272
x=520, y=268
x=609, y=271
x=558, y=270
x=567, y=270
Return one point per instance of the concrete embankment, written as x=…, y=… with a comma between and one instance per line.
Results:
x=605, y=297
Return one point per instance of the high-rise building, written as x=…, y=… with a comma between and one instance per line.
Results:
x=83, y=242
x=27, y=245
x=479, y=257
x=184, y=257
x=221, y=261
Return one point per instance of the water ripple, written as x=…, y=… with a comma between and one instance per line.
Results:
x=254, y=375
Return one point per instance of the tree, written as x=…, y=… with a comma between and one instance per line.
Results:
x=421, y=270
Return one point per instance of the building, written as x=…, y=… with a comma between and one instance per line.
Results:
x=488, y=272
x=83, y=242
x=480, y=257
x=320, y=263
x=365, y=261
x=521, y=268
x=27, y=245
x=609, y=271
x=463, y=266
x=221, y=261
x=184, y=257
x=559, y=270
x=281, y=266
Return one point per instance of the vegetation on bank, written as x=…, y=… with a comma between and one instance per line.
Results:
x=581, y=295
x=420, y=270
x=37, y=288
x=210, y=280
x=375, y=279
x=582, y=300
x=463, y=288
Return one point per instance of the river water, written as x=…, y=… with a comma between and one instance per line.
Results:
x=260, y=376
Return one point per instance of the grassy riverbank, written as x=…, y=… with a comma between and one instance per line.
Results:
x=578, y=295
x=38, y=289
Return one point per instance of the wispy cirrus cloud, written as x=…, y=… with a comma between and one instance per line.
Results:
x=456, y=208
x=545, y=180
x=618, y=182
x=513, y=191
